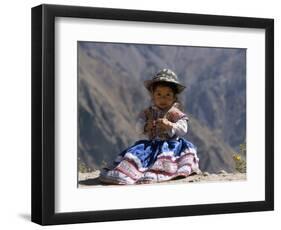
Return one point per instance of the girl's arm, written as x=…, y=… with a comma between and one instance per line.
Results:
x=140, y=125
x=179, y=128
x=142, y=122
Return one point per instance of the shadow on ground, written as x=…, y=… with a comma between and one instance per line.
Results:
x=94, y=181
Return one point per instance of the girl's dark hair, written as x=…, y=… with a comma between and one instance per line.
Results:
x=173, y=87
x=167, y=84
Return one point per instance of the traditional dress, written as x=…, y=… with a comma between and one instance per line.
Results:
x=165, y=155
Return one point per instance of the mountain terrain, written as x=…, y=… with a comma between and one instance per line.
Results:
x=111, y=94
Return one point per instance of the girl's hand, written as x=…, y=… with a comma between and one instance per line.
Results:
x=164, y=123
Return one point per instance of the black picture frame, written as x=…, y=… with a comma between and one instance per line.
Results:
x=43, y=114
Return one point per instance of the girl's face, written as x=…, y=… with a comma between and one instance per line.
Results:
x=163, y=97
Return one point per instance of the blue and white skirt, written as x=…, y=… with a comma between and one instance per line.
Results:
x=149, y=161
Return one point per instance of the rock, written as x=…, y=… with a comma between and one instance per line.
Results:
x=222, y=172
x=206, y=174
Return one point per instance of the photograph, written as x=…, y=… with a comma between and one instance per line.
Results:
x=150, y=114
x=173, y=113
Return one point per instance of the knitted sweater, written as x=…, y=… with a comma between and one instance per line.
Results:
x=173, y=114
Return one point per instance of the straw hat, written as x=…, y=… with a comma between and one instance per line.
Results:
x=165, y=75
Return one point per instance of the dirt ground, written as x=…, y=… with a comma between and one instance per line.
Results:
x=87, y=180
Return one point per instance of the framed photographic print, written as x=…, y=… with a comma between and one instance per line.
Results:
x=149, y=114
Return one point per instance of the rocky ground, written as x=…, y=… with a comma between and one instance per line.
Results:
x=90, y=179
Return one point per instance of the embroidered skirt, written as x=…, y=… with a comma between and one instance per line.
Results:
x=149, y=161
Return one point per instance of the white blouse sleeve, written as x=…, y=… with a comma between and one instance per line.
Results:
x=179, y=128
x=140, y=125
x=140, y=122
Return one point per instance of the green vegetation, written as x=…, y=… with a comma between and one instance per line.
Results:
x=82, y=167
x=240, y=159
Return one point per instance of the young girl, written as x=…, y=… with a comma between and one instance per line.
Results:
x=166, y=154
